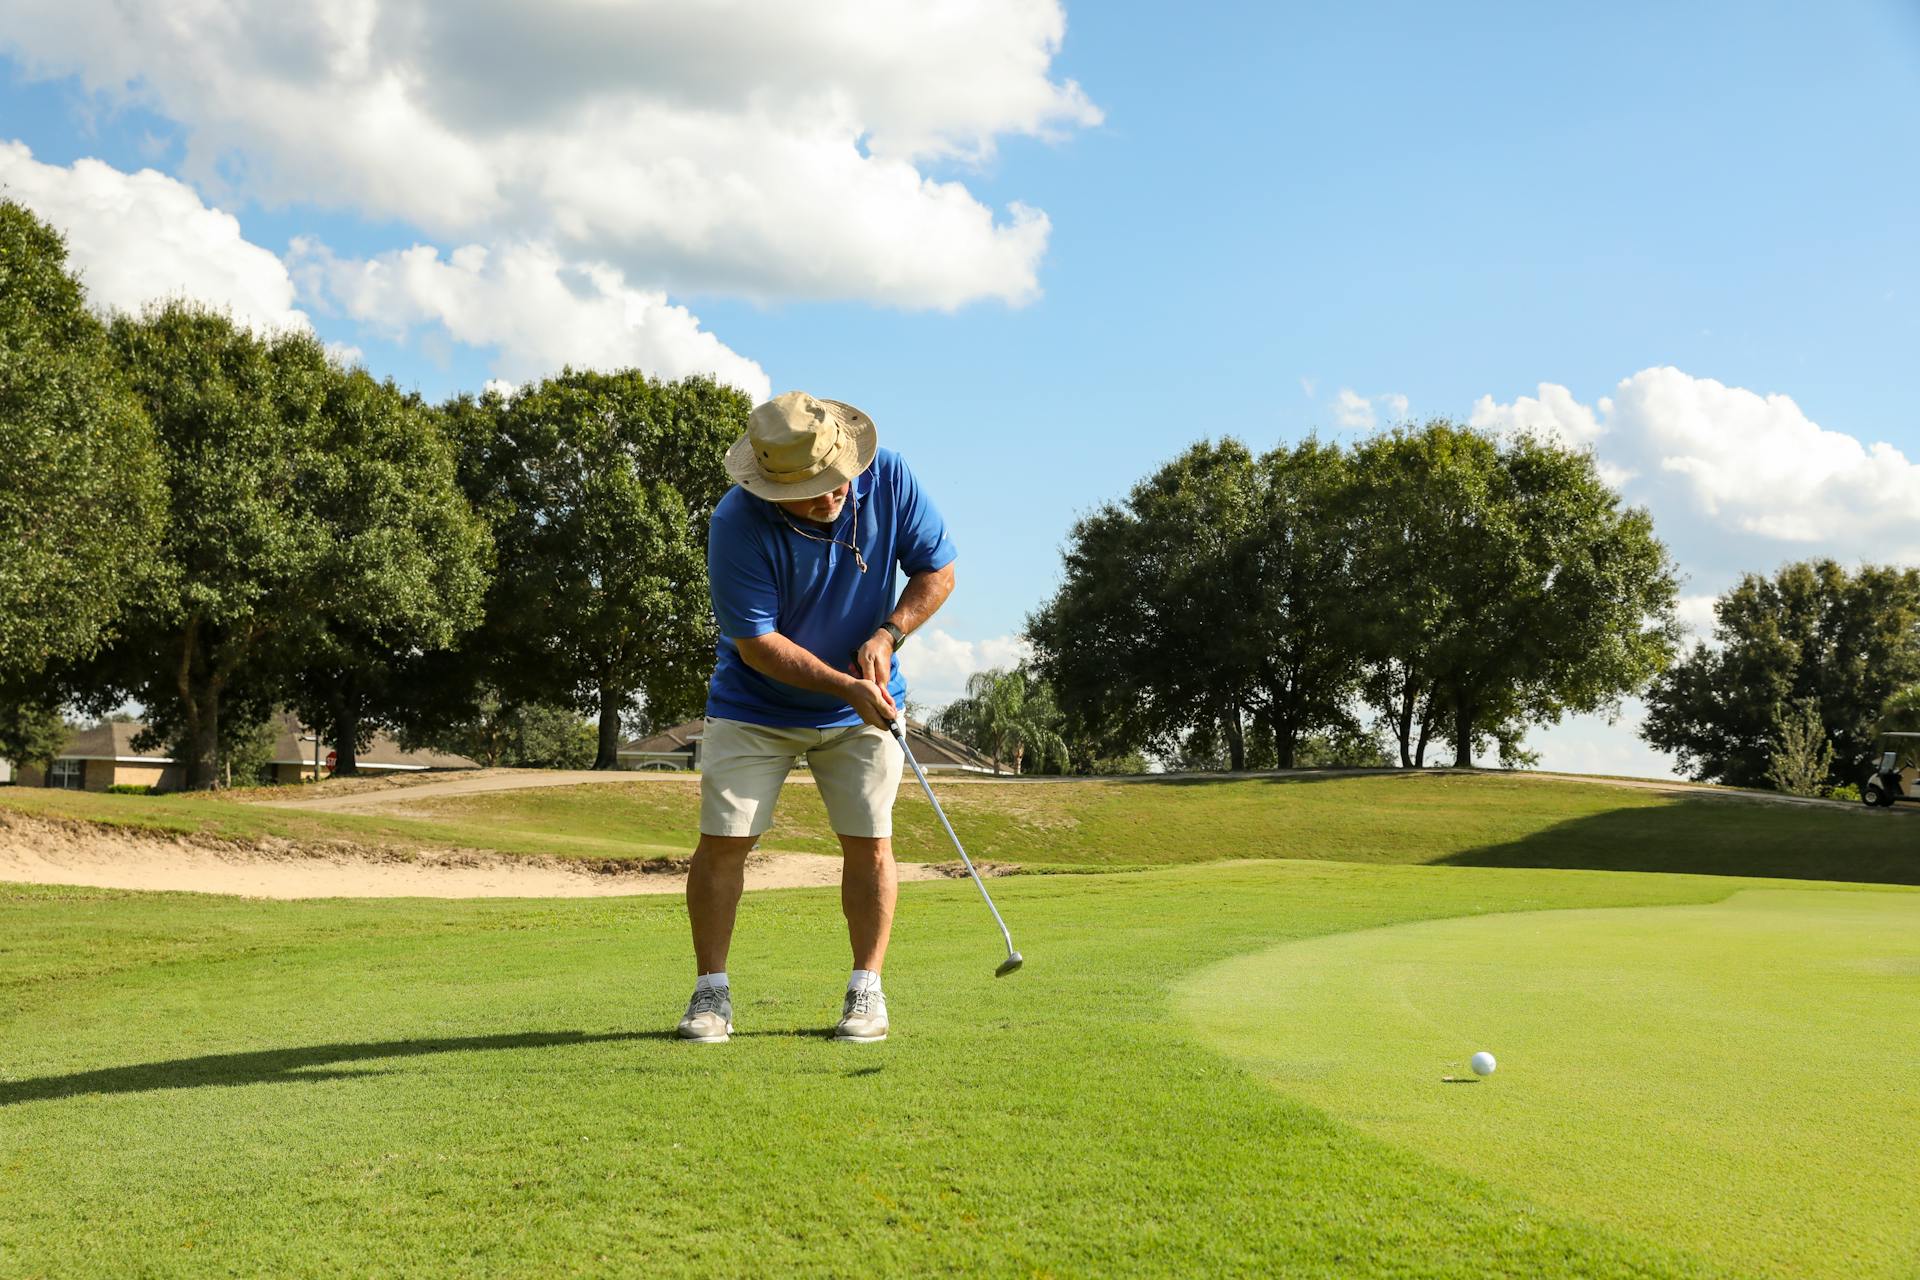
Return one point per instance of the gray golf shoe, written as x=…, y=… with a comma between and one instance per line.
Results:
x=709, y=1017
x=863, y=1019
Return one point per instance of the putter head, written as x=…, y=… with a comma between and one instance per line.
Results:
x=1007, y=966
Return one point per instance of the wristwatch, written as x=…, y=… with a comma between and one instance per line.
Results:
x=899, y=636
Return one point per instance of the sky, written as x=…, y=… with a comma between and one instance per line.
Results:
x=1047, y=247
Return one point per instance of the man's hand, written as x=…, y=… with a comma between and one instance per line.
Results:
x=871, y=699
x=874, y=659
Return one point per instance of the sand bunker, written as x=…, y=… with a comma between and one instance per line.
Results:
x=44, y=851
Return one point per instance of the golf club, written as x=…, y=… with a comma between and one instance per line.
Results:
x=1014, y=959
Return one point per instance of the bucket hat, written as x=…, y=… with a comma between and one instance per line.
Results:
x=798, y=446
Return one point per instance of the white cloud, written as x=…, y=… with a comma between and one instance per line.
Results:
x=758, y=147
x=140, y=237
x=1696, y=616
x=1590, y=744
x=937, y=664
x=1356, y=412
x=1353, y=410
x=1735, y=479
x=345, y=353
x=536, y=309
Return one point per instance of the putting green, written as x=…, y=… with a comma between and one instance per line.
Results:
x=1739, y=1079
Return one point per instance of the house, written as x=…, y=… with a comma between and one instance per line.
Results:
x=102, y=756
x=679, y=748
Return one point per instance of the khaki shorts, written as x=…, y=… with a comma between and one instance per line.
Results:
x=742, y=766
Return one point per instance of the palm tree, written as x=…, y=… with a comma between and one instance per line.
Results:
x=1901, y=712
x=1007, y=715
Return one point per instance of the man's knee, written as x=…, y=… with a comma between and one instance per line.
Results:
x=725, y=849
x=866, y=848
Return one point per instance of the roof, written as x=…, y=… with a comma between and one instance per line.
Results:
x=929, y=748
x=383, y=750
x=678, y=738
x=114, y=741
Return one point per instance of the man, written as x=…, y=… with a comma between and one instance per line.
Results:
x=800, y=565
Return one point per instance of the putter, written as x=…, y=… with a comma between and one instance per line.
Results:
x=1014, y=959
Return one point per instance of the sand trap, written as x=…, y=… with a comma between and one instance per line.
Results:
x=41, y=851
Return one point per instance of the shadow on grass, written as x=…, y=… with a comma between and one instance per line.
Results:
x=284, y=1066
x=1717, y=838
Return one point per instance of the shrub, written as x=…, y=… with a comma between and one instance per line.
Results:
x=1845, y=791
x=129, y=789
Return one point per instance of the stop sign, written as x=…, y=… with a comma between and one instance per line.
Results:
x=333, y=758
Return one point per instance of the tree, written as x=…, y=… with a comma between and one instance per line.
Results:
x=31, y=732
x=1801, y=754
x=81, y=503
x=1294, y=573
x=404, y=557
x=237, y=583
x=1152, y=634
x=1845, y=641
x=534, y=736
x=1507, y=585
x=1008, y=715
x=599, y=487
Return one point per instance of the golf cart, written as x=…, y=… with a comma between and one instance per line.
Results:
x=1897, y=775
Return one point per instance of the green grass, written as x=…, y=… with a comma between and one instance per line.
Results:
x=1736, y=1078
x=1204, y=1069
x=203, y=1085
x=1471, y=819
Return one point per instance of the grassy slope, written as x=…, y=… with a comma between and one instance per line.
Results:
x=1486, y=819
x=194, y=1086
x=1733, y=1078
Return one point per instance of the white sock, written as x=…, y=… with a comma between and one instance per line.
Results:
x=862, y=979
x=707, y=981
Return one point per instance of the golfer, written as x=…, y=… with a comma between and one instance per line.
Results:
x=800, y=564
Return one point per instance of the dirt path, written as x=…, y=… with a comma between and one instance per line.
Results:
x=38, y=851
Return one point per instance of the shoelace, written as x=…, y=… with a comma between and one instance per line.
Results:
x=864, y=1001
x=707, y=1000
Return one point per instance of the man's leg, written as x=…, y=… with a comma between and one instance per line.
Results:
x=713, y=896
x=869, y=886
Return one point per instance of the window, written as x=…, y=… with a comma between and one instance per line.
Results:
x=70, y=774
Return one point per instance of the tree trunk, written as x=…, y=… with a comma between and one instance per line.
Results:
x=1426, y=730
x=1019, y=754
x=346, y=727
x=1236, y=738
x=200, y=741
x=1403, y=728
x=1463, y=736
x=611, y=700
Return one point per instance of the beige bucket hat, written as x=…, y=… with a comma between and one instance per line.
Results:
x=799, y=447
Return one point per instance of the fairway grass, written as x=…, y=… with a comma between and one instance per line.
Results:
x=195, y=1085
x=385, y=1088
x=1736, y=1078
x=1485, y=819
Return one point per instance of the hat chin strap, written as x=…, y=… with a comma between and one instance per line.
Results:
x=815, y=467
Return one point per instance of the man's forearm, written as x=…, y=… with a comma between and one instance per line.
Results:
x=924, y=594
x=778, y=658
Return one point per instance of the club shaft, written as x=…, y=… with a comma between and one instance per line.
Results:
x=934, y=800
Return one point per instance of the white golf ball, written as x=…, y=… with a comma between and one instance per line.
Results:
x=1482, y=1063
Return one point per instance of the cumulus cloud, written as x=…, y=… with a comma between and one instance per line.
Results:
x=1356, y=412
x=539, y=311
x=937, y=663
x=138, y=237
x=759, y=148
x=1732, y=473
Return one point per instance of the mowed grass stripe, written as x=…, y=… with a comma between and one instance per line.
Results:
x=412, y=1088
x=1471, y=819
x=1735, y=1078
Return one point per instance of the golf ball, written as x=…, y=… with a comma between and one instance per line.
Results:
x=1482, y=1063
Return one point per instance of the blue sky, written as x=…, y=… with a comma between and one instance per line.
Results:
x=1251, y=210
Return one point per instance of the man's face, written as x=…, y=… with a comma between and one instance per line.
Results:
x=824, y=509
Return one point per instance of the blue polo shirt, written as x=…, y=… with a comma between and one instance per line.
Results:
x=765, y=575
